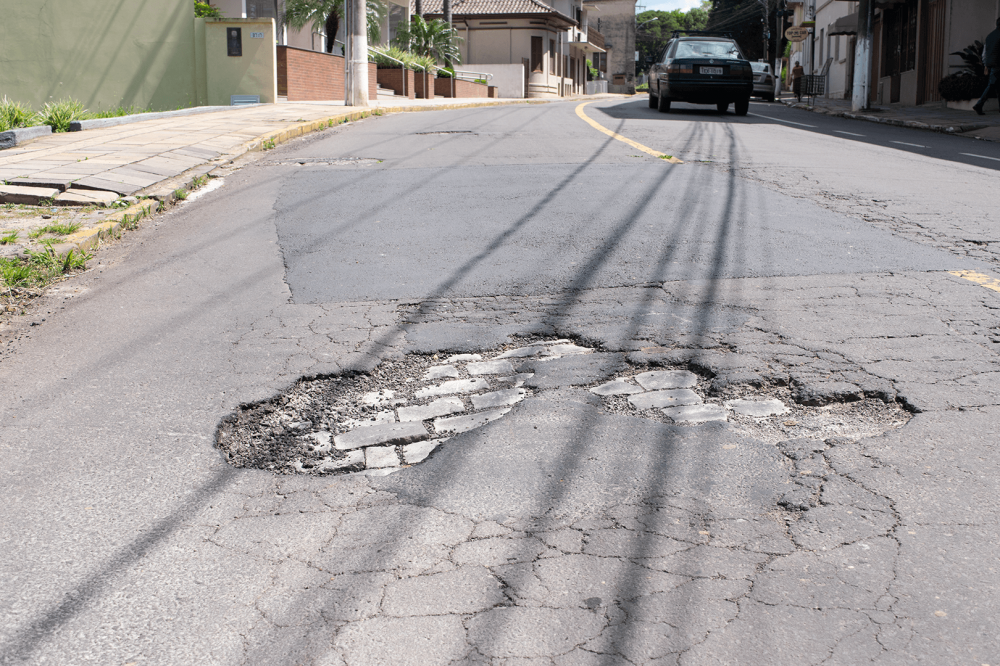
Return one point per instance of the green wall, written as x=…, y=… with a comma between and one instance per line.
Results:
x=101, y=52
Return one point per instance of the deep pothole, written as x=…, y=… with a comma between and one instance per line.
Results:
x=400, y=413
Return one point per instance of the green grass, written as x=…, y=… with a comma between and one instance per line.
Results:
x=58, y=229
x=14, y=115
x=643, y=88
x=198, y=181
x=180, y=194
x=40, y=268
x=60, y=114
x=9, y=238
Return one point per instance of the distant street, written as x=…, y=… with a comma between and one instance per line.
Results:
x=737, y=410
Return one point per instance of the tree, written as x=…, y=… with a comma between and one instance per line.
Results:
x=745, y=20
x=205, y=10
x=435, y=39
x=325, y=16
x=653, y=29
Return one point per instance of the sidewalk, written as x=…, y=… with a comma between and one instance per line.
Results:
x=935, y=116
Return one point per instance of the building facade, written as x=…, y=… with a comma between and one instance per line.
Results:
x=615, y=19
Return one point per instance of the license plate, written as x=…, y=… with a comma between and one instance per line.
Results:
x=711, y=70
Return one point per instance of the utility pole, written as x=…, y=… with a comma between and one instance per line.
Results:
x=447, y=21
x=357, y=53
x=862, y=58
x=779, y=24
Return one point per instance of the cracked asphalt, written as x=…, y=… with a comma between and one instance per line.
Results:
x=861, y=528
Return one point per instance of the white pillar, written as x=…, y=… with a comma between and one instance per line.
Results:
x=862, y=58
x=357, y=64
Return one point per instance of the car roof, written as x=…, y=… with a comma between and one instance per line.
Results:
x=704, y=38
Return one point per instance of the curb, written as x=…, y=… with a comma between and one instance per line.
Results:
x=896, y=122
x=88, y=239
x=15, y=137
x=98, y=123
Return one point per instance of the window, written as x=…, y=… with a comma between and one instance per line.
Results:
x=552, y=56
x=536, y=54
x=836, y=47
x=821, y=43
x=707, y=50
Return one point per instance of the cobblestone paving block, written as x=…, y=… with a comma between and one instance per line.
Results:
x=441, y=372
x=379, y=418
x=353, y=457
x=387, y=433
x=463, y=423
x=416, y=452
x=667, y=379
x=381, y=456
x=440, y=407
x=697, y=413
x=523, y=352
x=454, y=386
x=498, y=398
x=75, y=197
x=463, y=358
x=665, y=398
x=757, y=408
x=616, y=387
x=495, y=367
x=378, y=397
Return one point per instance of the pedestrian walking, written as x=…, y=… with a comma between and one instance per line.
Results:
x=991, y=59
x=797, y=73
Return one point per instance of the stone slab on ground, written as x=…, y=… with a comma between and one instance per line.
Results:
x=454, y=386
x=665, y=398
x=458, y=424
x=757, y=408
x=498, y=398
x=440, y=407
x=387, y=433
x=573, y=370
x=667, y=379
x=616, y=387
x=75, y=197
x=441, y=372
x=697, y=413
x=495, y=367
x=15, y=137
x=418, y=451
x=28, y=196
x=354, y=457
x=381, y=456
x=61, y=184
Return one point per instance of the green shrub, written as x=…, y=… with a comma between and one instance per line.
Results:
x=14, y=114
x=961, y=86
x=422, y=62
x=60, y=114
x=379, y=57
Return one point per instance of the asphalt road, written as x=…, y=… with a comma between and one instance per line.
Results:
x=779, y=261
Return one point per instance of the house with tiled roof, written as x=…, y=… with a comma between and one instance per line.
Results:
x=530, y=48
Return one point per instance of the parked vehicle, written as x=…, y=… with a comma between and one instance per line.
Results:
x=701, y=68
x=763, y=81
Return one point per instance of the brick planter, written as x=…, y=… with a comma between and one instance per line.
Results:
x=424, y=84
x=305, y=76
x=396, y=79
x=443, y=88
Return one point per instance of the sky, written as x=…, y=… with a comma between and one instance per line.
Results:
x=668, y=5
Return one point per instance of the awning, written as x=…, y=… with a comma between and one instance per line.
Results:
x=587, y=47
x=845, y=25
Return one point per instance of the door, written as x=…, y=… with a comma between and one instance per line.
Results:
x=934, y=51
x=876, y=59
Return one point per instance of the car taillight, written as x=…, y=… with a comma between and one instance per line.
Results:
x=679, y=69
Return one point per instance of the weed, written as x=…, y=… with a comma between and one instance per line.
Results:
x=14, y=273
x=160, y=207
x=57, y=229
x=9, y=238
x=37, y=233
x=180, y=193
x=198, y=181
x=268, y=144
x=40, y=268
x=666, y=157
x=14, y=114
x=60, y=114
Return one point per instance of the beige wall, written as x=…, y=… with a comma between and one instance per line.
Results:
x=253, y=73
x=617, y=24
x=131, y=52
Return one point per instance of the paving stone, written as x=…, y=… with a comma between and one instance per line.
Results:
x=498, y=398
x=378, y=397
x=441, y=372
x=616, y=387
x=454, y=386
x=572, y=370
x=566, y=350
x=381, y=456
x=523, y=352
x=29, y=196
x=817, y=394
x=75, y=197
x=665, y=398
x=463, y=358
x=387, y=433
x=354, y=457
x=697, y=413
x=758, y=408
x=416, y=452
x=379, y=418
x=496, y=367
x=61, y=184
x=463, y=423
x=440, y=407
x=667, y=379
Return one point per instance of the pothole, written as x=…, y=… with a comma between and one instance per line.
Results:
x=400, y=413
x=327, y=161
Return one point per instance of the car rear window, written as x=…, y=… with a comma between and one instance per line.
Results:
x=714, y=49
x=760, y=67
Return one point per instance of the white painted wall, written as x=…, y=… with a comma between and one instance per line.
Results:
x=509, y=79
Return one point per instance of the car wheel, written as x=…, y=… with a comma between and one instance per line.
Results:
x=652, y=101
x=769, y=97
x=722, y=107
x=663, y=104
x=742, y=106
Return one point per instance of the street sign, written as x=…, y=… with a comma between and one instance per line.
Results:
x=798, y=34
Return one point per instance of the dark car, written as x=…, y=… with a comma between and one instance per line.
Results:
x=763, y=81
x=701, y=69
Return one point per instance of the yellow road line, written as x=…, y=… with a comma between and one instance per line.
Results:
x=978, y=278
x=616, y=135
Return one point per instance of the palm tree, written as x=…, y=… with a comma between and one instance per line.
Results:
x=434, y=38
x=326, y=14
